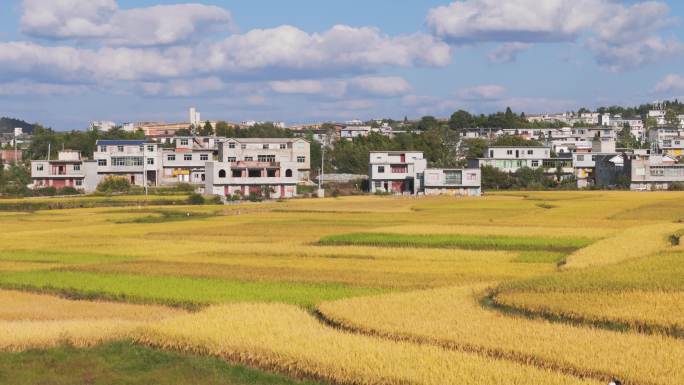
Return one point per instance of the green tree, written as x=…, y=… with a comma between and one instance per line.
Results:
x=460, y=120
x=625, y=139
x=511, y=140
x=207, y=129
x=474, y=148
x=671, y=118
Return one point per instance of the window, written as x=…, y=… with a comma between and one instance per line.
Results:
x=381, y=169
x=142, y=148
x=79, y=182
x=248, y=159
x=231, y=145
x=399, y=169
x=288, y=173
x=535, y=163
x=471, y=176
x=378, y=184
x=171, y=157
x=150, y=148
x=301, y=159
x=150, y=161
x=231, y=159
x=77, y=167
x=120, y=148
x=530, y=152
x=509, y=152
x=39, y=167
x=265, y=146
x=271, y=173
x=222, y=173
x=237, y=173
x=243, y=146
x=266, y=158
x=187, y=157
x=184, y=142
x=127, y=161
x=580, y=158
x=254, y=173
x=103, y=148
x=283, y=146
x=453, y=177
x=204, y=156
x=102, y=162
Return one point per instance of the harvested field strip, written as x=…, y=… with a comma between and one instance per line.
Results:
x=174, y=291
x=286, y=339
x=453, y=317
x=661, y=272
x=647, y=312
x=21, y=306
x=634, y=242
x=473, y=242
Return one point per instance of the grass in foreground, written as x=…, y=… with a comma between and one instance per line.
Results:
x=474, y=242
x=175, y=291
x=125, y=363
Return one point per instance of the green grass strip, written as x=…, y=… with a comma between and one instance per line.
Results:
x=472, y=242
x=184, y=292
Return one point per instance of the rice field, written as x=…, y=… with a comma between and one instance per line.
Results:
x=511, y=288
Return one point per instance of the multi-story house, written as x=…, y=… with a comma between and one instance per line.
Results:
x=268, y=150
x=396, y=171
x=271, y=179
x=464, y=182
x=68, y=170
x=137, y=160
x=652, y=172
x=185, y=161
x=512, y=158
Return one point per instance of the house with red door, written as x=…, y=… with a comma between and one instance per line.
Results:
x=68, y=170
x=399, y=172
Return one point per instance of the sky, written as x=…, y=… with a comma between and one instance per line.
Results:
x=64, y=63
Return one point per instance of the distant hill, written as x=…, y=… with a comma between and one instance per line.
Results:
x=8, y=125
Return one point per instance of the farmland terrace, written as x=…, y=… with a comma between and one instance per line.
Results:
x=511, y=288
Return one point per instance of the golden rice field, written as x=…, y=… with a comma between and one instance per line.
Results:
x=511, y=288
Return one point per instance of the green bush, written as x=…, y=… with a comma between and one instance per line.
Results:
x=185, y=187
x=45, y=191
x=68, y=190
x=113, y=184
x=195, y=199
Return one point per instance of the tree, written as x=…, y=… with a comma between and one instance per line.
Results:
x=207, y=129
x=184, y=132
x=510, y=140
x=671, y=118
x=460, y=120
x=224, y=130
x=625, y=139
x=474, y=148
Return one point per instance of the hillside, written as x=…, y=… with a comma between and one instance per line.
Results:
x=8, y=125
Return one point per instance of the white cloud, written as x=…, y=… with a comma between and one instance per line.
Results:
x=381, y=85
x=103, y=21
x=308, y=86
x=670, y=83
x=507, y=52
x=619, y=35
x=482, y=92
x=30, y=88
x=183, y=87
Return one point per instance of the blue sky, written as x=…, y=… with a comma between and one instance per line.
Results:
x=66, y=62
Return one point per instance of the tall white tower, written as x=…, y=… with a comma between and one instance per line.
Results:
x=192, y=115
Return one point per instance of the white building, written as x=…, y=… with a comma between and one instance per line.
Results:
x=397, y=172
x=185, y=161
x=272, y=180
x=102, y=125
x=462, y=182
x=68, y=170
x=195, y=119
x=232, y=150
x=512, y=158
x=137, y=160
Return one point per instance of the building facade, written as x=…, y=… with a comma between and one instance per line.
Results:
x=396, y=172
x=138, y=161
x=268, y=150
x=68, y=170
x=461, y=182
x=274, y=180
x=185, y=161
